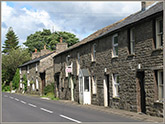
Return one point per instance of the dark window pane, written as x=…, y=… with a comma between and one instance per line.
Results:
x=86, y=84
x=116, y=40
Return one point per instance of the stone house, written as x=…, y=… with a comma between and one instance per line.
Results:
x=39, y=71
x=119, y=66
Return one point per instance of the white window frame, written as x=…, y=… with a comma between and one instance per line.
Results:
x=93, y=55
x=20, y=83
x=28, y=83
x=28, y=69
x=158, y=34
x=78, y=63
x=37, y=84
x=115, y=86
x=132, y=41
x=114, y=45
x=94, y=84
x=160, y=85
x=20, y=71
x=36, y=67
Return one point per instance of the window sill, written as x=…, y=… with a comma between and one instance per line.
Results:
x=131, y=55
x=116, y=97
x=114, y=57
x=93, y=61
x=157, y=49
x=158, y=102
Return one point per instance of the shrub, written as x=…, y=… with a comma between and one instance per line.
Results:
x=49, y=88
x=5, y=88
x=16, y=79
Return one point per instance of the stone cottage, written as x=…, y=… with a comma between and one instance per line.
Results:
x=119, y=66
x=39, y=71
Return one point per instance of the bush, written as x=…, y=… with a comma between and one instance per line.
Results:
x=6, y=88
x=49, y=89
x=16, y=79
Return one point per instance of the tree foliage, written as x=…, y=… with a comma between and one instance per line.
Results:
x=11, y=61
x=45, y=37
x=16, y=79
x=11, y=41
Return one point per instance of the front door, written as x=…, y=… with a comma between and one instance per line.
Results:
x=106, y=90
x=87, y=88
x=141, y=102
x=42, y=75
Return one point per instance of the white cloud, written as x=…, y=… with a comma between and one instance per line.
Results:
x=80, y=18
x=26, y=22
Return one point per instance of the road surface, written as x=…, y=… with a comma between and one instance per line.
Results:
x=21, y=108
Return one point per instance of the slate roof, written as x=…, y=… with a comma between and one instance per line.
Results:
x=36, y=59
x=120, y=24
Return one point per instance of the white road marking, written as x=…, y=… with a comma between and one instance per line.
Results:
x=23, y=102
x=16, y=99
x=5, y=96
x=46, y=110
x=32, y=105
x=70, y=119
x=11, y=97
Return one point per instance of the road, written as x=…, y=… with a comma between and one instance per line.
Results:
x=21, y=108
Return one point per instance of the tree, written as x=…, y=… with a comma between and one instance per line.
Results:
x=11, y=61
x=11, y=41
x=45, y=37
x=16, y=79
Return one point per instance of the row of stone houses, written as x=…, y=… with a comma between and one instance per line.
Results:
x=119, y=66
x=39, y=71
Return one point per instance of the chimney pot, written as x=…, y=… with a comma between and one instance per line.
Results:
x=35, y=50
x=44, y=47
x=61, y=39
x=143, y=5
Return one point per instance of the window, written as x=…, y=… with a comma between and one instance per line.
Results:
x=20, y=70
x=36, y=67
x=86, y=84
x=115, y=45
x=78, y=63
x=132, y=41
x=93, y=52
x=28, y=69
x=159, y=33
x=20, y=83
x=115, y=83
x=159, y=82
x=94, y=85
x=37, y=85
x=28, y=83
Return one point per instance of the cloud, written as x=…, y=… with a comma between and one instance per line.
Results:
x=80, y=18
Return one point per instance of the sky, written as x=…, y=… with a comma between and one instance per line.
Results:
x=80, y=18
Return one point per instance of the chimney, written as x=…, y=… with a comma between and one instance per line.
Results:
x=35, y=54
x=145, y=4
x=61, y=46
x=61, y=39
x=35, y=50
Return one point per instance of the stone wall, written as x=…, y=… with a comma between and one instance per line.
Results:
x=125, y=65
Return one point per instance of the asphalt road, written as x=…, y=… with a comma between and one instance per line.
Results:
x=20, y=108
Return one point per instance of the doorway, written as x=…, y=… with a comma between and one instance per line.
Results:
x=141, y=101
x=106, y=90
x=42, y=75
x=84, y=87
